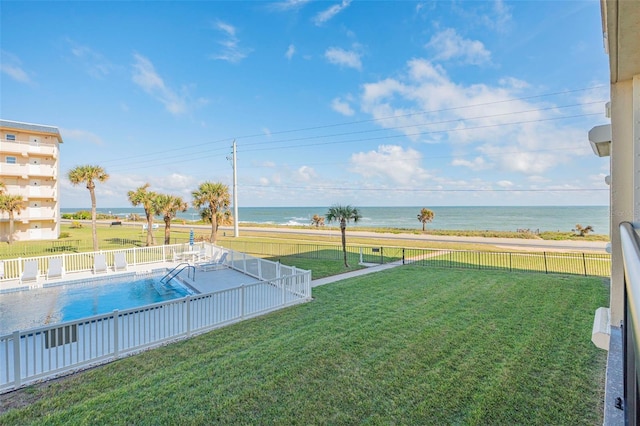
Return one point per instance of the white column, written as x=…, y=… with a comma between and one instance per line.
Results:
x=625, y=180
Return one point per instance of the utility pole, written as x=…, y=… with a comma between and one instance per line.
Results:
x=236, y=232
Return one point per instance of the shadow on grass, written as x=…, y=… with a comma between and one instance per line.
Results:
x=322, y=265
x=124, y=242
x=577, y=268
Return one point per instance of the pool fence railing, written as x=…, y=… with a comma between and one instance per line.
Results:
x=41, y=353
x=549, y=262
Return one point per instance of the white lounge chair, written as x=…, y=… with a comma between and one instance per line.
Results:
x=218, y=264
x=99, y=263
x=56, y=270
x=120, y=262
x=202, y=255
x=30, y=272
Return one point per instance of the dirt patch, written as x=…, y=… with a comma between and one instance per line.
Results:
x=28, y=395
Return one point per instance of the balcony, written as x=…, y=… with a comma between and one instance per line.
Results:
x=25, y=171
x=39, y=192
x=26, y=149
x=41, y=214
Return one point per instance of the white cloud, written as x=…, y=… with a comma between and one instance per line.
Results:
x=510, y=134
x=11, y=65
x=448, y=44
x=505, y=183
x=501, y=17
x=390, y=162
x=291, y=50
x=95, y=63
x=306, y=174
x=329, y=13
x=231, y=50
x=538, y=179
x=342, y=107
x=82, y=136
x=288, y=5
x=595, y=99
x=145, y=76
x=513, y=83
x=345, y=58
x=476, y=164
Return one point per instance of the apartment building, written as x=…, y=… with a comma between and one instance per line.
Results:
x=30, y=167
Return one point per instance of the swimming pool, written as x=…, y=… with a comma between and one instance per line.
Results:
x=72, y=300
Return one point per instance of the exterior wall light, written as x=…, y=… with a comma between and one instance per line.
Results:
x=600, y=140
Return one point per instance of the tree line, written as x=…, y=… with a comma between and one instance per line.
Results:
x=211, y=199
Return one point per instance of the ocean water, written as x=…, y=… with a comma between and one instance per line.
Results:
x=538, y=218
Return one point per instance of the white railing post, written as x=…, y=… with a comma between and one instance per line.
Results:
x=242, y=301
x=17, y=373
x=260, y=268
x=188, y=301
x=278, y=271
x=284, y=298
x=116, y=334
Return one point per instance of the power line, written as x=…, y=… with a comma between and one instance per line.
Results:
x=453, y=120
x=420, y=133
x=428, y=111
x=229, y=139
x=436, y=157
x=400, y=189
x=198, y=156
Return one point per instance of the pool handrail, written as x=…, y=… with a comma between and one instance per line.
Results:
x=186, y=266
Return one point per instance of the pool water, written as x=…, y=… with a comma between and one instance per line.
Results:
x=33, y=308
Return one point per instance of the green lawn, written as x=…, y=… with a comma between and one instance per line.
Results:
x=411, y=345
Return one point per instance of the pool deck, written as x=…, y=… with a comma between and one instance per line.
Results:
x=205, y=281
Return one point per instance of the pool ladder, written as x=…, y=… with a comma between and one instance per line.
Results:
x=175, y=271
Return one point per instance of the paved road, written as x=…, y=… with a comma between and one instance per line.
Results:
x=512, y=243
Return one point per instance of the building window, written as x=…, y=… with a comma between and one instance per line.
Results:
x=10, y=137
x=11, y=160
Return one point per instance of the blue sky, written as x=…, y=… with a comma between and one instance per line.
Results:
x=354, y=102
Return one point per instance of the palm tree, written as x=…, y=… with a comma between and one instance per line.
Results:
x=317, y=221
x=168, y=207
x=212, y=199
x=583, y=231
x=2, y=188
x=343, y=214
x=222, y=217
x=89, y=174
x=426, y=216
x=12, y=204
x=146, y=198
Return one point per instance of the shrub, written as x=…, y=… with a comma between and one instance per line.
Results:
x=64, y=235
x=76, y=225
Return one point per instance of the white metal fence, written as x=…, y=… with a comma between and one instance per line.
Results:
x=44, y=352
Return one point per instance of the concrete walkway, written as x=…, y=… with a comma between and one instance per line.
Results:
x=359, y=272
